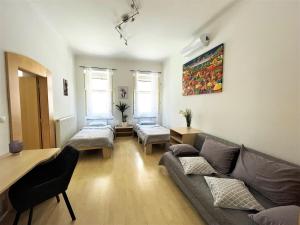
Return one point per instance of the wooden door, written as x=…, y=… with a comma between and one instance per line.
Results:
x=30, y=112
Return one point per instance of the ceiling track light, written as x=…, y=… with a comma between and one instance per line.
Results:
x=125, y=18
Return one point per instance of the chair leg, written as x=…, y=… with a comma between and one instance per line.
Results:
x=57, y=198
x=30, y=216
x=17, y=218
x=69, y=205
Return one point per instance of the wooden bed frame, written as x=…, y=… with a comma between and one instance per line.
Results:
x=148, y=147
x=106, y=152
x=66, y=127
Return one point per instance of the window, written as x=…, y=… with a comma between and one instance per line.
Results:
x=98, y=89
x=146, y=97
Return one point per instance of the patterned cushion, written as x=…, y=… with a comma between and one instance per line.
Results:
x=232, y=193
x=196, y=165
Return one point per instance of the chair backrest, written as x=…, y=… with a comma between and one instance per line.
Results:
x=66, y=161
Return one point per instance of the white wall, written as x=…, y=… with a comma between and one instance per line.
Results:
x=122, y=77
x=260, y=103
x=24, y=32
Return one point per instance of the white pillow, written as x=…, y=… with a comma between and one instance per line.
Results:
x=232, y=194
x=147, y=122
x=98, y=123
x=196, y=165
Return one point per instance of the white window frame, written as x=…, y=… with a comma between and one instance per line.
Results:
x=152, y=77
x=87, y=78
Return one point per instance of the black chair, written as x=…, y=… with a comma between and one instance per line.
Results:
x=43, y=182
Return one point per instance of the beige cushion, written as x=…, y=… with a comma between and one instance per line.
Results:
x=232, y=194
x=196, y=165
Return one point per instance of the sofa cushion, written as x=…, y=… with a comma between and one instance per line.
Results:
x=276, y=179
x=196, y=165
x=184, y=150
x=231, y=193
x=282, y=215
x=221, y=156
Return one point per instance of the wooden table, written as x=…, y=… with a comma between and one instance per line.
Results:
x=15, y=166
x=183, y=135
x=124, y=131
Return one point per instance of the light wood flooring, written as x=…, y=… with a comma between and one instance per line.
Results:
x=128, y=189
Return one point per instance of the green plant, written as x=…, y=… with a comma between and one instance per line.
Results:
x=122, y=107
x=188, y=116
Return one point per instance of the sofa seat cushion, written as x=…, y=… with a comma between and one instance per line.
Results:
x=276, y=179
x=184, y=150
x=232, y=194
x=197, y=191
x=196, y=165
x=221, y=156
x=282, y=215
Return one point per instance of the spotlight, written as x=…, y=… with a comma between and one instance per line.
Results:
x=119, y=27
x=126, y=43
x=121, y=36
x=132, y=20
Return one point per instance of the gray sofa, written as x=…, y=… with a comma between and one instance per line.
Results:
x=197, y=191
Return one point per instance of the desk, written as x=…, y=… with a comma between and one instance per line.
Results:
x=13, y=167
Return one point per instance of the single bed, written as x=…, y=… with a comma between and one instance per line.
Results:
x=96, y=135
x=150, y=134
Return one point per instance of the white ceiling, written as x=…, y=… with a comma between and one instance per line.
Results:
x=162, y=27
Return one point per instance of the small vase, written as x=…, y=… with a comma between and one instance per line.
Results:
x=15, y=147
x=188, y=123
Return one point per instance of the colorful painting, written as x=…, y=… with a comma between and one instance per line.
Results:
x=204, y=74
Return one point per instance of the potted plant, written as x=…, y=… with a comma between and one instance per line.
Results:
x=122, y=107
x=188, y=116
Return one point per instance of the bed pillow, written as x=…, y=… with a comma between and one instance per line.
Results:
x=98, y=123
x=277, y=180
x=221, y=156
x=148, y=122
x=282, y=215
x=196, y=165
x=184, y=150
x=232, y=194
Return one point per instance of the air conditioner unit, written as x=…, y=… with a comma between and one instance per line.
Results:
x=201, y=41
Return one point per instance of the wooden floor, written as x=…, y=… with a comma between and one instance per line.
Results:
x=128, y=189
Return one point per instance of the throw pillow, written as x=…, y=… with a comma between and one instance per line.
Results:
x=221, y=156
x=232, y=194
x=282, y=215
x=276, y=179
x=184, y=150
x=196, y=165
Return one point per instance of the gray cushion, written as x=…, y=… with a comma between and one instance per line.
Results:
x=221, y=156
x=282, y=215
x=277, y=180
x=184, y=150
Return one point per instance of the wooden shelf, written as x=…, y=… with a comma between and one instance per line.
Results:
x=123, y=131
x=183, y=135
x=175, y=140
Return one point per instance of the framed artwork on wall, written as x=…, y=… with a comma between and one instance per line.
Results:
x=204, y=74
x=65, y=87
x=123, y=92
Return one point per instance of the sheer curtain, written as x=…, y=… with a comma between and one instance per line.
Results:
x=98, y=89
x=146, y=94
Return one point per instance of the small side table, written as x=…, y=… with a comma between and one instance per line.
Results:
x=183, y=135
x=123, y=131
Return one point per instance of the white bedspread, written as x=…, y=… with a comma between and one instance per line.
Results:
x=93, y=137
x=153, y=133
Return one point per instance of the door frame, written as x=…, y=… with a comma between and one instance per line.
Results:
x=15, y=62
